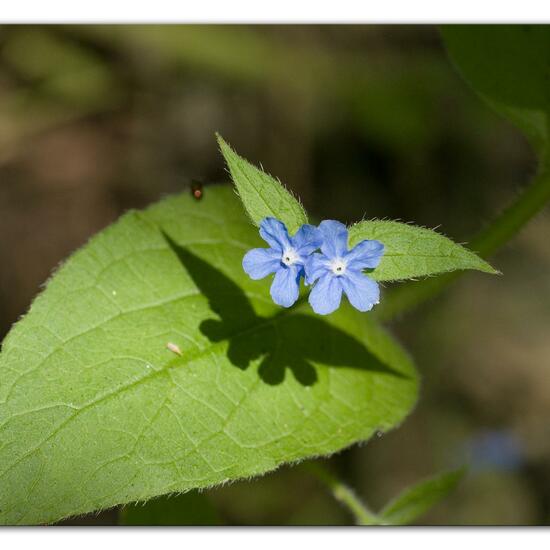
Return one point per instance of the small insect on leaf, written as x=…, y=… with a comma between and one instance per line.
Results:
x=174, y=348
x=196, y=190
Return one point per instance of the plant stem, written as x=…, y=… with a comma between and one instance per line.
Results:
x=485, y=243
x=343, y=494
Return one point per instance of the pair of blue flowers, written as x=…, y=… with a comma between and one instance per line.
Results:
x=333, y=271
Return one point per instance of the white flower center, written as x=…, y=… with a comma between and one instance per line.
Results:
x=338, y=266
x=290, y=256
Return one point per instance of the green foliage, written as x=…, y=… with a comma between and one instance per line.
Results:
x=343, y=494
x=262, y=195
x=404, y=509
x=419, y=498
x=95, y=411
x=62, y=70
x=192, y=508
x=508, y=65
x=412, y=251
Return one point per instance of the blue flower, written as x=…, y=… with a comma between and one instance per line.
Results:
x=285, y=257
x=338, y=270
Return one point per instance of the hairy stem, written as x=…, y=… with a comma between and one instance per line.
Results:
x=485, y=243
x=343, y=494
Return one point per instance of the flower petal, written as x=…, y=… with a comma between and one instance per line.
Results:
x=365, y=254
x=274, y=233
x=260, y=262
x=307, y=239
x=362, y=292
x=326, y=294
x=286, y=285
x=315, y=266
x=335, y=238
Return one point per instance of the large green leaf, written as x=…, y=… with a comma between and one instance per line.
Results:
x=508, y=65
x=418, y=499
x=411, y=251
x=261, y=194
x=96, y=411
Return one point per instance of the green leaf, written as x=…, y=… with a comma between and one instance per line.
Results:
x=95, y=411
x=192, y=508
x=261, y=194
x=508, y=66
x=419, y=498
x=412, y=251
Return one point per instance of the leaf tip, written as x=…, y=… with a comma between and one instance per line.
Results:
x=486, y=267
x=224, y=146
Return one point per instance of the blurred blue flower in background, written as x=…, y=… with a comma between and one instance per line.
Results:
x=336, y=270
x=495, y=450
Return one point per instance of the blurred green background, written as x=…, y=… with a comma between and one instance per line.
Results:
x=358, y=121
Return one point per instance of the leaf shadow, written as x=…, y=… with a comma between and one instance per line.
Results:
x=282, y=341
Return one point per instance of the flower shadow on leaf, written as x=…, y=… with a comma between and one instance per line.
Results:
x=285, y=340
